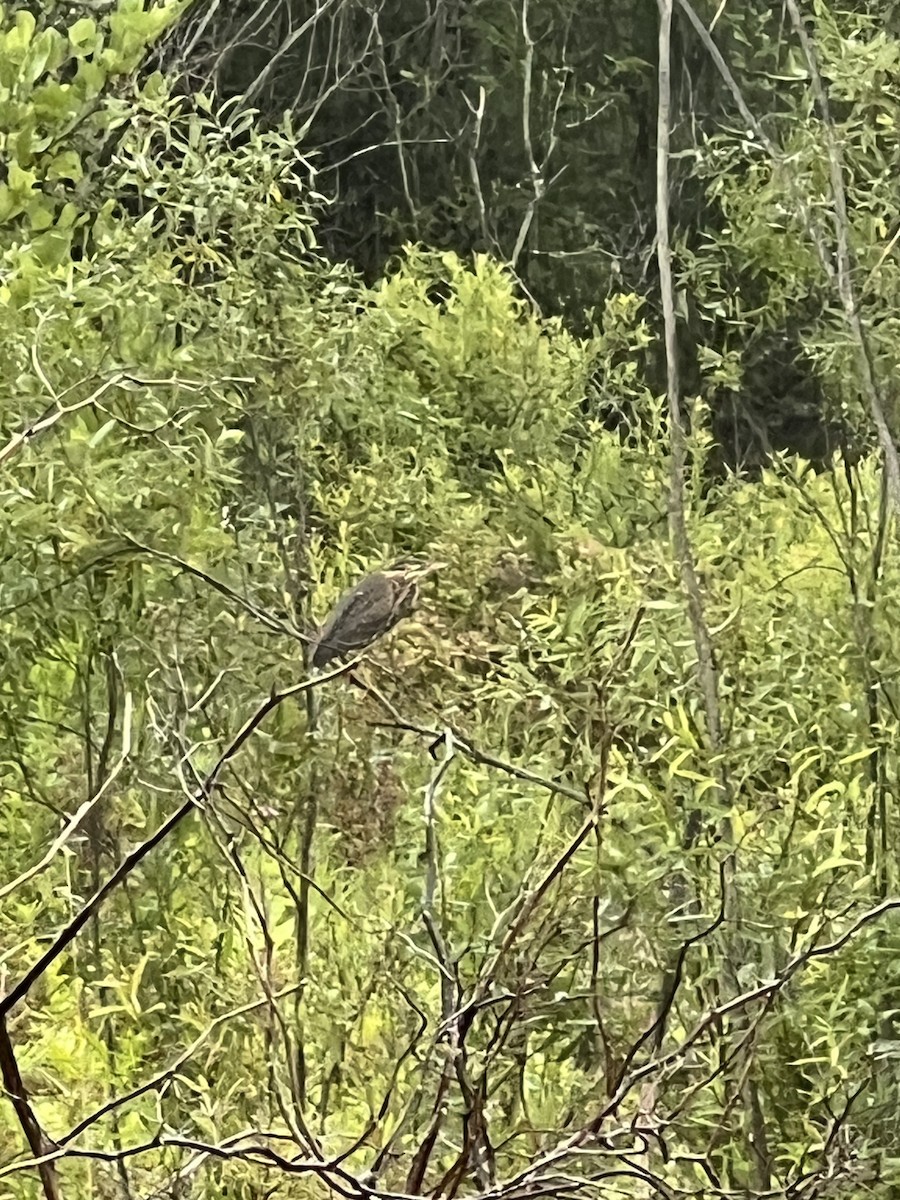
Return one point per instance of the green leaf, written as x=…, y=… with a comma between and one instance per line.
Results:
x=19, y=37
x=832, y=864
x=857, y=756
x=83, y=35
x=105, y=429
x=53, y=248
x=42, y=50
x=66, y=165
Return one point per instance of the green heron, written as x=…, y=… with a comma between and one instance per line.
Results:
x=370, y=609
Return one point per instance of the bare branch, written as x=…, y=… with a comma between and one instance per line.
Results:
x=40, y=1144
x=706, y=667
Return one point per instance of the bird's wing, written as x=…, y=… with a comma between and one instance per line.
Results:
x=360, y=616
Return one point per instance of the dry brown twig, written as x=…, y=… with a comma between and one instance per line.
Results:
x=597, y=1138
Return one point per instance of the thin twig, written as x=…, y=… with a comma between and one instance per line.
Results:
x=129, y=864
x=87, y=807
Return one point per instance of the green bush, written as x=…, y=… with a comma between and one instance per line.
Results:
x=225, y=430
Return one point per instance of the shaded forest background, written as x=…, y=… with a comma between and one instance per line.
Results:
x=583, y=882
x=528, y=132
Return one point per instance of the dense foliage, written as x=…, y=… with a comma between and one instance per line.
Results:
x=527, y=131
x=494, y=914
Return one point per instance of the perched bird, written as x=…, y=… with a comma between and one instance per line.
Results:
x=370, y=609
